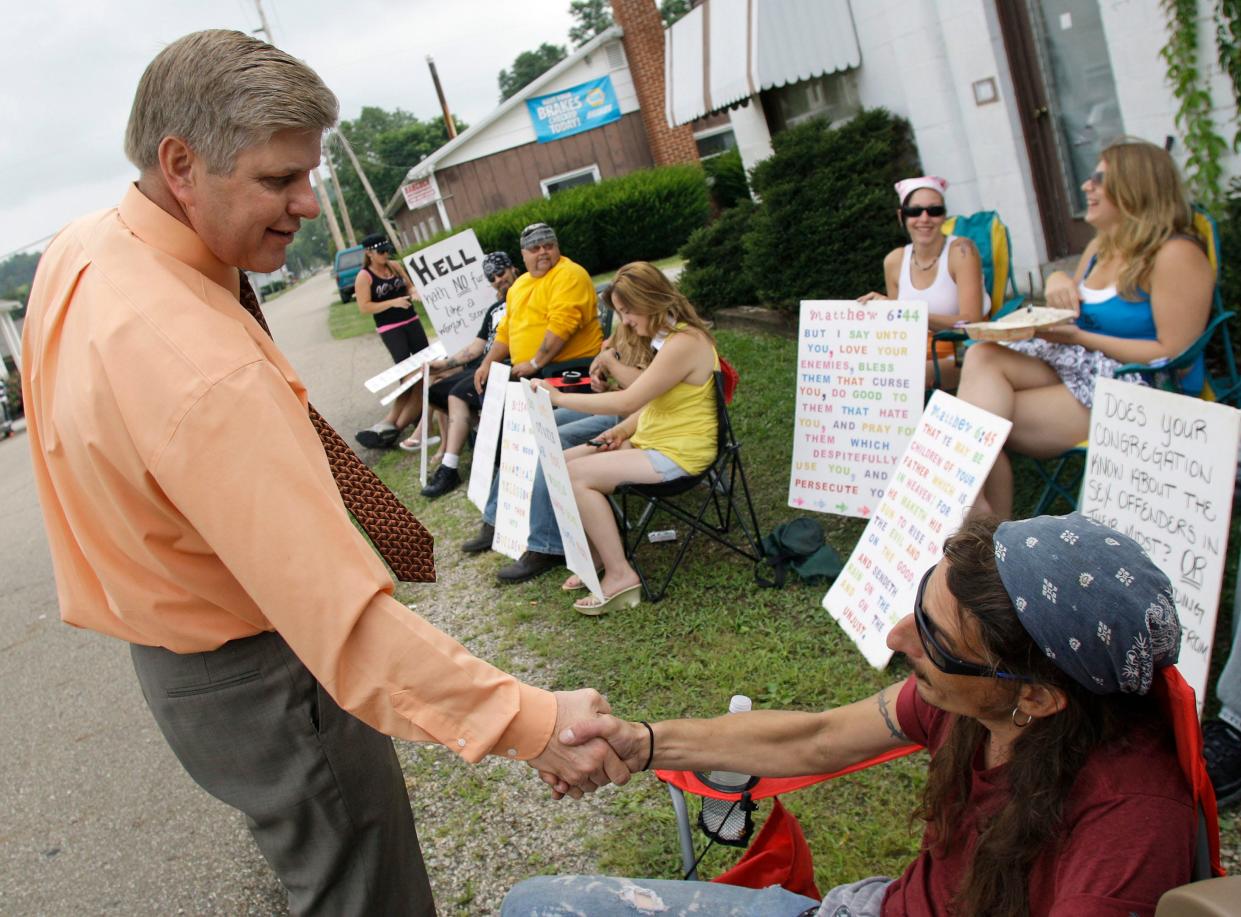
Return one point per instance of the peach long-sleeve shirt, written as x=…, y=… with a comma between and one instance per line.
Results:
x=188, y=499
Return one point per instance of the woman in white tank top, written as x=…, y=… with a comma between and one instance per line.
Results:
x=944, y=271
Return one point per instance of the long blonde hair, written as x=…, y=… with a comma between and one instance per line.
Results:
x=1144, y=184
x=645, y=290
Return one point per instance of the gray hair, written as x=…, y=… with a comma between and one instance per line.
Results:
x=223, y=91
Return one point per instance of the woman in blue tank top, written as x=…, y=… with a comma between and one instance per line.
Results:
x=1142, y=291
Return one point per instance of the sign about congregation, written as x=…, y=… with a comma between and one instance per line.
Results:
x=450, y=281
x=932, y=489
x=574, y=110
x=860, y=369
x=1161, y=469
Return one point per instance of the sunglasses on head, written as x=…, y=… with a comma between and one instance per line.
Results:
x=940, y=657
x=914, y=210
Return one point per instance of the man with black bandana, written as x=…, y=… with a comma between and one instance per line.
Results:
x=456, y=393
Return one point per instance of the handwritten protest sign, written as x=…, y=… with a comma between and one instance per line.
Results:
x=450, y=281
x=411, y=364
x=1161, y=469
x=519, y=458
x=860, y=375
x=482, y=469
x=560, y=489
x=934, y=485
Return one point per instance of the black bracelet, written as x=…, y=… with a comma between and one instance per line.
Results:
x=650, y=755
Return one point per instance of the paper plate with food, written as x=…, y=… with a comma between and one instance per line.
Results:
x=1019, y=325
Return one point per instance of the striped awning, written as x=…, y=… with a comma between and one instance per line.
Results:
x=724, y=51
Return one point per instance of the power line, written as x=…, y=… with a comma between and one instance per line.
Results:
x=24, y=248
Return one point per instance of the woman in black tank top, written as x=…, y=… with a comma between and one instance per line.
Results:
x=384, y=292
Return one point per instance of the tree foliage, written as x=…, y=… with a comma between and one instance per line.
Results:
x=387, y=144
x=311, y=248
x=16, y=274
x=591, y=17
x=529, y=66
x=672, y=10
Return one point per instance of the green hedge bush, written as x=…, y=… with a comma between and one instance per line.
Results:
x=828, y=213
x=1230, y=273
x=825, y=222
x=642, y=216
x=726, y=179
x=714, y=276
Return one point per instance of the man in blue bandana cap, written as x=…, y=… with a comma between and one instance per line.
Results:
x=1054, y=784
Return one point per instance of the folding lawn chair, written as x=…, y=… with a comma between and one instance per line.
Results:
x=779, y=854
x=990, y=236
x=1062, y=475
x=724, y=500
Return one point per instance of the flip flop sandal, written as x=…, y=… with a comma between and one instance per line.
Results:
x=580, y=585
x=414, y=445
x=626, y=598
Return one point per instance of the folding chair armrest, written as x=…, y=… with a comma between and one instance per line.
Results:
x=1184, y=360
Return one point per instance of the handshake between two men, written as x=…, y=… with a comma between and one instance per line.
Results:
x=578, y=758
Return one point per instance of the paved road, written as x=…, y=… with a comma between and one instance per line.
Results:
x=97, y=816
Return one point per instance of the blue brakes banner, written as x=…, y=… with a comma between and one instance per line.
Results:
x=574, y=110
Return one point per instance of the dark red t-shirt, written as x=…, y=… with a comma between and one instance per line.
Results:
x=1129, y=828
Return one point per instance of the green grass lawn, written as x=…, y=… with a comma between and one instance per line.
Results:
x=715, y=634
x=345, y=321
x=662, y=264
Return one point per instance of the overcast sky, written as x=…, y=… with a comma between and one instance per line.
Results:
x=69, y=69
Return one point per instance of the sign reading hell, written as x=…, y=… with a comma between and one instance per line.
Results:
x=860, y=375
x=454, y=291
x=936, y=481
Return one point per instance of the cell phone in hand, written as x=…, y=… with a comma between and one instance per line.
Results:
x=597, y=443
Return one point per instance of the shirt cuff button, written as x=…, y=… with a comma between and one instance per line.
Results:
x=512, y=752
x=461, y=743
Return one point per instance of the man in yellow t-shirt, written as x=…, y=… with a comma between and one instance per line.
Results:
x=550, y=314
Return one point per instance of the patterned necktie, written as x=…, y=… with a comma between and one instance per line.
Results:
x=401, y=539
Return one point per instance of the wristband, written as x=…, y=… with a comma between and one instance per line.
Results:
x=650, y=754
x=534, y=362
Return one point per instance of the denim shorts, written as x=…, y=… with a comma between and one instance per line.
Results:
x=666, y=468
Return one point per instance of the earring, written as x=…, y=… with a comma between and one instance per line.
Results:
x=1029, y=718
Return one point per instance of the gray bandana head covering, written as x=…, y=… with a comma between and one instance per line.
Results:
x=1091, y=598
x=496, y=264
x=536, y=233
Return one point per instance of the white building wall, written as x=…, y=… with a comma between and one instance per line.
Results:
x=920, y=59
x=1136, y=32
x=514, y=127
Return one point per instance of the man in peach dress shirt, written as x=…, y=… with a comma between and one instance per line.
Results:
x=191, y=511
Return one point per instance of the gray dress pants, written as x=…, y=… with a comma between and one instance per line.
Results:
x=322, y=792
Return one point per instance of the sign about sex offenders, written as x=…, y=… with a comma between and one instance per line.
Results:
x=1161, y=469
x=860, y=376
x=935, y=483
x=450, y=282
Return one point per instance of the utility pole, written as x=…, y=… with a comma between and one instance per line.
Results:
x=370, y=192
x=326, y=206
x=439, y=91
x=320, y=189
x=340, y=200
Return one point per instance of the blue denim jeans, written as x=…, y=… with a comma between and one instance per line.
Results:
x=575, y=428
x=604, y=896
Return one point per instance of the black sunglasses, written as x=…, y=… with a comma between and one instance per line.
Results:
x=1096, y=178
x=940, y=657
x=910, y=211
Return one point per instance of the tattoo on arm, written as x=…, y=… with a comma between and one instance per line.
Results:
x=888, y=719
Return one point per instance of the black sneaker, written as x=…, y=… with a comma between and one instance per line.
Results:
x=444, y=480
x=528, y=566
x=480, y=542
x=1221, y=746
x=378, y=439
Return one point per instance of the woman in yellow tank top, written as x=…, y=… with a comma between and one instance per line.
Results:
x=669, y=430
